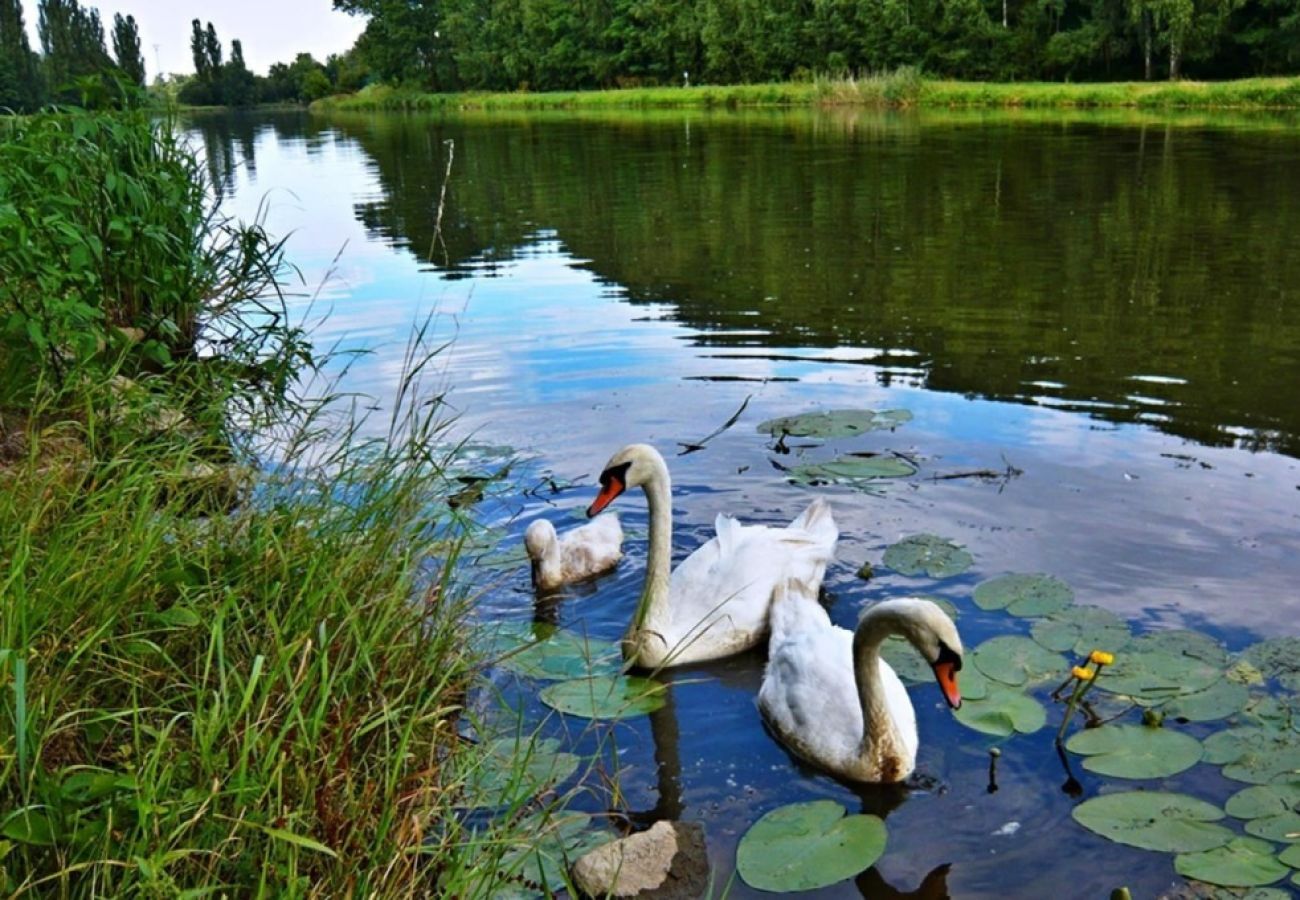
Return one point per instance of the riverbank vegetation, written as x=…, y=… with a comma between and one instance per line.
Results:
x=228, y=659
x=902, y=88
x=553, y=45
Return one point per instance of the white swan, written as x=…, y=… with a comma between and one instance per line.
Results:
x=581, y=553
x=715, y=603
x=823, y=683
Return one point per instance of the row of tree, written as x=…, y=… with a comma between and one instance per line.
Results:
x=561, y=44
x=75, y=65
x=229, y=83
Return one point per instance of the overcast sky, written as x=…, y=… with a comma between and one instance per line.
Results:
x=271, y=30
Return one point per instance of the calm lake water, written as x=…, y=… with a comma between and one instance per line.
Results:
x=1110, y=306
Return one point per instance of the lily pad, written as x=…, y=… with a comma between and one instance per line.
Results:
x=1291, y=856
x=555, y=841
x=1024, y=595
x=512, y=770
x=1016, y=660
x=1255, y=754
x=927, y=554
x=1276, y=658
x=1080, y=630
x=852, y=470
x=545, y=652
x=1135, y=751
x=835, y=423
x=1218, y=701
x=1001, y=712
x=605, y=697
x=1242, y=862
x=1156, y=668
x=1154, y=820
x=1264, y=800
x=805, y=846
x=1185, y=642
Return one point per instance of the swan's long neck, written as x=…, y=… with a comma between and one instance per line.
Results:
x=650, y=623
x=884, y=751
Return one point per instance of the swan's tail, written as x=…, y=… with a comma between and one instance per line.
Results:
x=819, y=521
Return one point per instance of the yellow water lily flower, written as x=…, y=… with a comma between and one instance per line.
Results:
x=1083, y=674
x=1102, y=658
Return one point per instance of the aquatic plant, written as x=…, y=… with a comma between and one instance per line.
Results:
x=805, y=846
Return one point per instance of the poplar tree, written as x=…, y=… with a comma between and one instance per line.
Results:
x=20, y=87
x=126, y=47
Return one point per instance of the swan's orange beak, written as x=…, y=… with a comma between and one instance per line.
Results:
x=946, y=674
x=610, y=487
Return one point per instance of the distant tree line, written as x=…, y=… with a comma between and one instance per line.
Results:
x=74, y=65
x=230, y=83
x=560, y=44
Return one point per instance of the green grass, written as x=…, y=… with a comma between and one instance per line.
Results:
x=229, y=660
x=902, y=88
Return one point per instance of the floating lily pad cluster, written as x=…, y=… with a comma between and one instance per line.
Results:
x=588, y=671
x=1190, y=676
x=1185, y=674
x=835, y=423
x=927, y=554
x=860, y=470
x=1176, y=823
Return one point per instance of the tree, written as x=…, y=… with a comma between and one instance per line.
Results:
x=403, y=40
x=238, y=86
x=126, y=47
x=199, y=50
x=20, y=87
x=73, y=40
x=213, y=49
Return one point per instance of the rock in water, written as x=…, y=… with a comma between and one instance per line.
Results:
x=668, y=862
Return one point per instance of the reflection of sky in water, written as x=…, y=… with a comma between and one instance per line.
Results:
x=547, y=358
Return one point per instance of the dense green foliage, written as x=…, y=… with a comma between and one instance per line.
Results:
x=115, y=259
x=446, y=45
x=212, y=675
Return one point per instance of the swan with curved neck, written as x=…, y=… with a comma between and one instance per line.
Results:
x=834, y=702
x=716, y=602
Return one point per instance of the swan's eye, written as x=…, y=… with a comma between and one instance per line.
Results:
x=947, y=655
x=615, y=473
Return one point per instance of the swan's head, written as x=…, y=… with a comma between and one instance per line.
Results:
x=633, y=466
x=929, y=629
x=541, y=543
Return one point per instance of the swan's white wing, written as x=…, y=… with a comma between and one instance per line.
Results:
x=809, y=696
x=591, y=548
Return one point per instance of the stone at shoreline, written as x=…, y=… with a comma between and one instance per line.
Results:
x=667, y=862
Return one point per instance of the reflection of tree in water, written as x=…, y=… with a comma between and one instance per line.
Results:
x=934, y=886
x=1035, y=264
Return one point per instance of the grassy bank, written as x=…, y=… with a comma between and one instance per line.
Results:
x=228, y=662
x=904, y=88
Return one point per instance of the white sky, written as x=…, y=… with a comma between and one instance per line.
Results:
x=271, y=30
